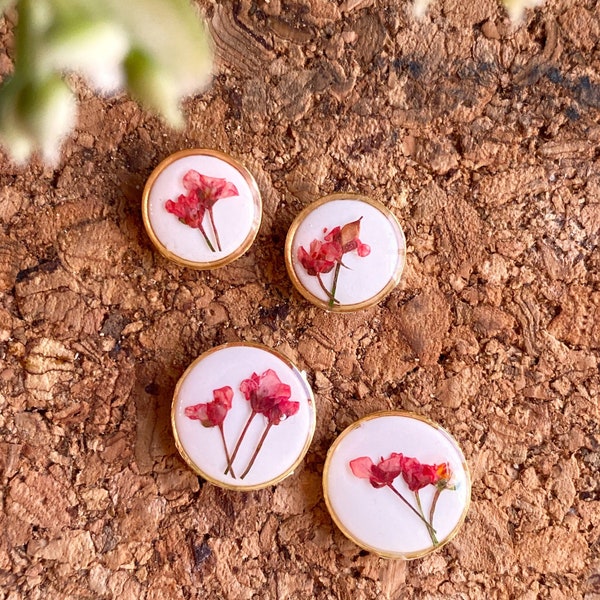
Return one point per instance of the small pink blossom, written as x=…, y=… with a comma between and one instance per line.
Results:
x=265, y=392
x=323, y=256
x=202, y=194
x=211, y=414
x=380, y=474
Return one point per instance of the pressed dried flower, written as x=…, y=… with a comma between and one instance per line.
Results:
x=322, y=257
x=212, y=414
x=268, y=396
x=202, y=194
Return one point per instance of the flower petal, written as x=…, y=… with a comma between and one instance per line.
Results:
x=198, y=412
x=249, y=386
x=192, y=181
x=392, y=466
x=361, y=467
x=223, y=396
x=350, y=232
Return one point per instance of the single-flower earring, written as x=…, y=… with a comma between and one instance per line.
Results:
x=201, y=208
x=345, y=252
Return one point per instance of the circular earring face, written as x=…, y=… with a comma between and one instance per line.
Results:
x=243, y=416
x=345, y=252
x=397, y=484
x=201, y=208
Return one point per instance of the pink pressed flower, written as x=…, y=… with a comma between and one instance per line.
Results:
x=268, y=396
x=381, y=474
x=187, y=209
x=322, y=257
x=208, y=189
x=212, y=414
x=265, y=391
x=202, y=194
x=347, y=238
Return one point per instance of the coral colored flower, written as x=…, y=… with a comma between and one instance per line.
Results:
x=443, y=476
x=265, y=391
x=202, y=194
x=211, y=414
x=323, y=256
x=381, y=474
x=418, y=475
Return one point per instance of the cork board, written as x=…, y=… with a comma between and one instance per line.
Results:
x=482, y=138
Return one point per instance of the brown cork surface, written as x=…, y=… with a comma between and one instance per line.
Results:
x=482, y=138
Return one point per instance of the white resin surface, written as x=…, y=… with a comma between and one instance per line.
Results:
x=376, y=517
x=234, y=216
x=365, y=276
x=284, y=443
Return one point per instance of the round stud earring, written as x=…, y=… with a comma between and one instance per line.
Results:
x=243, y=416
x=345, y=252
x=397, y=484
x=201, y=208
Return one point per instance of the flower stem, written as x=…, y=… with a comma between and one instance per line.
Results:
x=331, y=298
x=237, y=446
x=436, y=496
x=429, y=527
x=336, y=274
x=258, y=447
x=229, y=467
x=214, y=227
x=212, y=249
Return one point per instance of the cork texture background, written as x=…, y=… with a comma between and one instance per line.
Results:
x=482, y=138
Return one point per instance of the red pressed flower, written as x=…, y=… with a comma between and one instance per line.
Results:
x=269, y=396
x=265, y=391
x=347, y=238
x=381, y=474
x=322, y=257
x=212, y=414
x=187, y=209
x=418, y=475
x=202, y=194
x=282, y=410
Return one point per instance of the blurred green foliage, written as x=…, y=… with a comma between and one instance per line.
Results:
x=157, y=50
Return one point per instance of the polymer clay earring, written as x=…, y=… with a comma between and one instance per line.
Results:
x=243, y=416
x=397, y=484
x=201, y=208
x=345, y=252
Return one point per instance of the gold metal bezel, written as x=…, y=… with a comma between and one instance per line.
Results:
x=256, y=198
x=312, y=410
x=340, y=524
x=289, y=260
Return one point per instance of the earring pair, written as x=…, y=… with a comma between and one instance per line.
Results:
x=202, y=209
